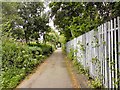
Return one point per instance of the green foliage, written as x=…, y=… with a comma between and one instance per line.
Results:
x=96, y=84
x=118, y=80
x=35, y=20
x=79, y=67
x=96, y=42
x=77, y=64
x=62, y=40
x=71, y=54
x=82, y=70
x=51, y=38
x=82, y=47
x=36, y=50
x=85, y=70
x=19, y=59
x=76, y=18
x=24, y=20
x=11, y=21
x=95, y=60
x=44, y=49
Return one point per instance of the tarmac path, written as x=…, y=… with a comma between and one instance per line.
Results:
x=52, y=73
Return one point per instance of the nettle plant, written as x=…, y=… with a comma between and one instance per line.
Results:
x=96, y=62
x=81, y=46
x=71, y=54
x=95, y=41
x=113, y=70
x=96, y=83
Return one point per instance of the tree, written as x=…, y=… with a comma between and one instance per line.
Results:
x=31, y=13
x=76, y=18
x=62, y=40
x=10, y=19
x=51, y=37
x=35, y=20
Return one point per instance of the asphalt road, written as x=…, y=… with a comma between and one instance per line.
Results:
x=52, y=73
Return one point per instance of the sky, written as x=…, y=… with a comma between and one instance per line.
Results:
x=51, y=24
x=46, y=10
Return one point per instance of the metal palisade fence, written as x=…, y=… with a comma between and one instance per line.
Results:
x=99, y=51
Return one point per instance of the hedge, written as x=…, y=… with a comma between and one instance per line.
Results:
x=19, y=60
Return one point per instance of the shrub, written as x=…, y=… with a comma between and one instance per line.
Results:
x=71, y=54
x=46, y=49
x=35, y=51
x=34, y=44
x=18, y=60
x=96, y=83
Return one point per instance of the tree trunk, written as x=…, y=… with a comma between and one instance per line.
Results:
x=26, y=38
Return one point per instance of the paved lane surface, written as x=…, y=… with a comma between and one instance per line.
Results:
x=51, y=74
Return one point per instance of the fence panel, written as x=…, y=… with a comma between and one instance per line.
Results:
x=79, y=40
x=87, y=50
x=118, y=21
x=109, y=56
x=99, y=51
x=92, y=68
